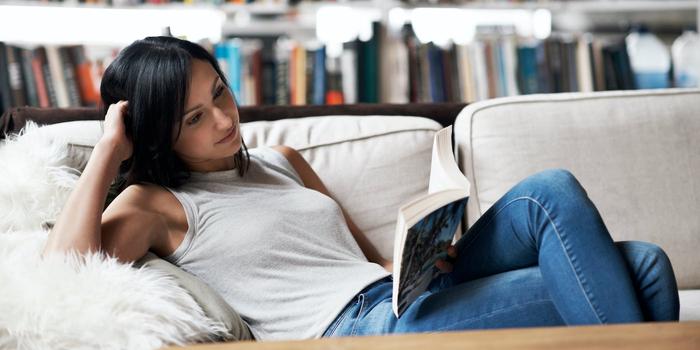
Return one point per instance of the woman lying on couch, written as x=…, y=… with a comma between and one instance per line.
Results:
x=260, y=227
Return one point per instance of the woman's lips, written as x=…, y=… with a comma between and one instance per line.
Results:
x=230, y=135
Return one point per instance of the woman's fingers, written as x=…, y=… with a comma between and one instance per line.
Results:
x=452, y=251
x=443, y=266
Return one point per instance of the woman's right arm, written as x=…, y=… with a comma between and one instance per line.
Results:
x=80, y=224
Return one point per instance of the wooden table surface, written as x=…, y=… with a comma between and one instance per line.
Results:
x=659, y=335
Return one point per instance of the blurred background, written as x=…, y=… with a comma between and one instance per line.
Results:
x=276, y=52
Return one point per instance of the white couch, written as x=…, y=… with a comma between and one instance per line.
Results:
x=637, y=153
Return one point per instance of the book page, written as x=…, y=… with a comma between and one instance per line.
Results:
x=444, y=172
x=425, y=243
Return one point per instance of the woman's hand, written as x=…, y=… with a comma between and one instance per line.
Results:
x=445, y=266
x=114, y=134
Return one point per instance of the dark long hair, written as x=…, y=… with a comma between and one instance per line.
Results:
x=153, y=74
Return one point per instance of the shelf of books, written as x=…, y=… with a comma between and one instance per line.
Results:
x=273, y=58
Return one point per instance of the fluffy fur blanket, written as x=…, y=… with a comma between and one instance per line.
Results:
x=63, y=302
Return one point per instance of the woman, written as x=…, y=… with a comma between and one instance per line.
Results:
x=261, y=228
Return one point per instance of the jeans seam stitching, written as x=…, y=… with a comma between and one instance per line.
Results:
x=494, y=312
x=362, y=305
x=568, y=258
x=489, y=221
x=341, y=318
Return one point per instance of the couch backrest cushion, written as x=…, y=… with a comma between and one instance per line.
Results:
x=370, y=164
x=637, y=153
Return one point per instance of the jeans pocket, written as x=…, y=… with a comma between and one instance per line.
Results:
x=339, y=320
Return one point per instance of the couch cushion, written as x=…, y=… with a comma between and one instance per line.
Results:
x=635, y=152
x=371, y=165
x=211, y=302
x=690, y=305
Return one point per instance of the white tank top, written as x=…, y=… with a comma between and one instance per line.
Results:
x=279, y=253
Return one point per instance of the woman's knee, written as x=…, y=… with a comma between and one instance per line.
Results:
x=557, y=181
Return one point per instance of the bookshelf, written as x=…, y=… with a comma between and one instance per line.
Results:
x=260, y=24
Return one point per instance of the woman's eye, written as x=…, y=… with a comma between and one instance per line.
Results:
x=194, y=119
x=219, y=92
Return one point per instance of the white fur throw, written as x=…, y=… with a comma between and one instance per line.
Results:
x=35, y=180
x=62, y=301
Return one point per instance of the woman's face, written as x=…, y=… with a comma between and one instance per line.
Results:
x=210, y=135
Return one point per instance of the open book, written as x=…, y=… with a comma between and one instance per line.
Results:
x=427, y=225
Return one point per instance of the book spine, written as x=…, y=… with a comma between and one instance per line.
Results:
x=282, y=88
x=334, y=93
x=368, y=64
x=510, y=63
x=500, y=67
x=300, y=74
x=269, y=83
x=5, y=99
x=349, y=72
x=435, y=77
x=453, y=76
x=15, y=77
x=234, y=68
x=446, y=70
x=84, y=76
x=491, y=68
x=477, y=53
x=48, y=77
x=257, y=76
x=40, y=82
x=555, y=65
x=59, y=83
x=69, y=75
x=220, y=52
x=572, y=67
x=584, y=68
x=543, y=81
x=413, y=75
x=319, y=75
x=28, y=77
x=424, y=74
x=309, y=75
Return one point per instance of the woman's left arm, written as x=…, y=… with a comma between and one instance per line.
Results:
x=312, y=181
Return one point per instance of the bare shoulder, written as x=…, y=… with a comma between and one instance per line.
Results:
x=294, y=158
x=303, y=168
x=289, y=152
x=146, y=197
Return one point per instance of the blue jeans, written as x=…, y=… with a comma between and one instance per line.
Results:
x=540, y=256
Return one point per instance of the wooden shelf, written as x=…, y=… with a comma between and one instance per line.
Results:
x=588, y=6
x=269, y=28
x=267, y=19
x=257, y=9
x=568, y=6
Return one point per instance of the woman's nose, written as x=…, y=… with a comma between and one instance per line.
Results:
x=223, y=121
